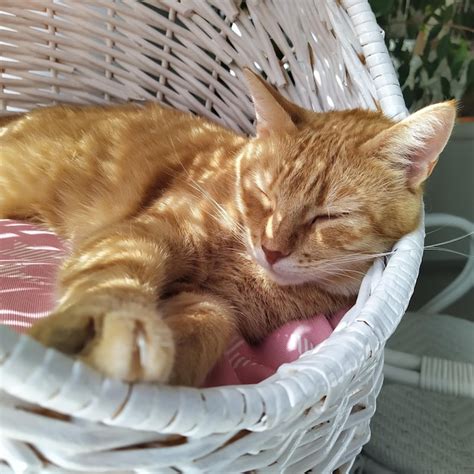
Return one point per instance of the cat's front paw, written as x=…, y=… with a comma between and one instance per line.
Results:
x=126, y=341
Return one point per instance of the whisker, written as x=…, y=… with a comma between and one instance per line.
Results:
x=345, y=274
x=435, y=230
x=457, y=239
x=449, y=251
x=361, y=257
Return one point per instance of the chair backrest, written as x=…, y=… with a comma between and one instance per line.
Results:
x=189, y=54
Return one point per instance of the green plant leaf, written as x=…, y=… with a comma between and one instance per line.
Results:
x=408, y=96
x=434, y=32
x=470, y=75
x=457, y=57
x=427, y=50
x=446, y=88
x=418, y=92
x=448, y=13
x=403, y=72
x=444, y=46
x=432, y=66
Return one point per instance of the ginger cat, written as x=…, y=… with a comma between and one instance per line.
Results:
x=184, y=232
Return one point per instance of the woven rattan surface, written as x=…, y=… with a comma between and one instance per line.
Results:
x=313, y=413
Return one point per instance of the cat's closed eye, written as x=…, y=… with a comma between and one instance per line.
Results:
x=320, y=218
x=267, y=201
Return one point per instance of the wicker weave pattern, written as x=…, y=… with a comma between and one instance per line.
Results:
x=315, y=412
x=189, y=54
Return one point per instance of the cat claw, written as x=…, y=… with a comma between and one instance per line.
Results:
x=130, y=343
x=132, y=349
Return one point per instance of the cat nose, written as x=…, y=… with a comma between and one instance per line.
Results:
x=273, y=255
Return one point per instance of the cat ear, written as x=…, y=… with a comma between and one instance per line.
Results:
x=416, y=142
x=274, y=113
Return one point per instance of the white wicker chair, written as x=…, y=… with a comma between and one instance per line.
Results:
x=313, y=414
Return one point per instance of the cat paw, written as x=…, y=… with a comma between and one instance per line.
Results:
x=129, y=342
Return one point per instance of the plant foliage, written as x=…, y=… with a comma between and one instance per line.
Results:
x=432, y=46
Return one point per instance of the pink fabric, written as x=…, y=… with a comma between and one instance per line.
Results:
x=243, y=363
x=29, y=259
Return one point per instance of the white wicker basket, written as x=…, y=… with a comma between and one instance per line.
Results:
x=313, y=413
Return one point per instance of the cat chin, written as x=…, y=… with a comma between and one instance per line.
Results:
x=348, y=288
x=286, y=280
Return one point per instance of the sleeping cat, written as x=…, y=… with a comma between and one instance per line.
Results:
x=184, y=232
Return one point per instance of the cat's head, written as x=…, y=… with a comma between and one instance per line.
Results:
x=321, y=193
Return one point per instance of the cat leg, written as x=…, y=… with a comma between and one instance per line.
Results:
x=107, y=314
x=202, y=326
